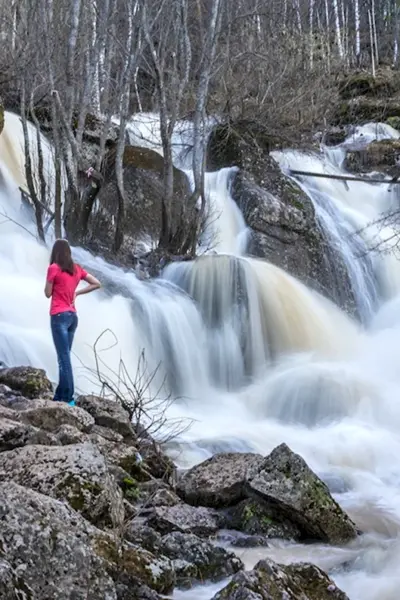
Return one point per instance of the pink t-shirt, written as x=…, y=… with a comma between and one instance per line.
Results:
x=64, y=286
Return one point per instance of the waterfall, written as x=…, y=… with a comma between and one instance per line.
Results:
x=349, y=213
x=250, y=355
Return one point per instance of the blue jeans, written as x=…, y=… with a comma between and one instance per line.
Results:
x=63, y=327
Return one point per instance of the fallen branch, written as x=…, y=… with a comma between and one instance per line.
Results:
x=343, y=177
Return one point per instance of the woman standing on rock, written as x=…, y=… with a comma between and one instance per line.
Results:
x=63, y=277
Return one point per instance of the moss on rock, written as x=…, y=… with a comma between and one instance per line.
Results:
x=32, y=383
x=124, y=559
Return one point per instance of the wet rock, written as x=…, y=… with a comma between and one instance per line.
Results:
x=186, y=519
x=48, y=545
x=287, y=483
x=110, y=415
x=8, y=413
x=219, y=481
x=198, y=560
x=50, y=415
x=271, y=581
x=258, y=519
x=76, y=473
x=32, y=383
x=15, y=435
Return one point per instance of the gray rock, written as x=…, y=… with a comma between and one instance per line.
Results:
x=219, y=481
x=13, y=587
x=271, y=581
x=15, y=435
x=186, y=519
x=76, y=473
x=108, y=434
x=50, y=415
x=69, y=434
x=198, y=560
x=109, y=414
x=31, y=382
x=287, y=483
x=163, y=497
x=49, y=549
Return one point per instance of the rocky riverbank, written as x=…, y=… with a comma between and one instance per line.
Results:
x=91, y=508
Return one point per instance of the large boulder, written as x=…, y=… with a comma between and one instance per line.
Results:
x=219, y=481
x=76, y=473
x=285, y=482
x=186, y=519
x=32, y=383
x=271, y=581
x=49, y=549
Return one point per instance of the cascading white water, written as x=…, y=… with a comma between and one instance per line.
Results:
x=349, y=214
x=256, y=359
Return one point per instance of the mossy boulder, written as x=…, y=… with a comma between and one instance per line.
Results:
x=31, y=382
x=285, y=482
x=271, y=581
x=75, y=473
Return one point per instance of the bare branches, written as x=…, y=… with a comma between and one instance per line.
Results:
x=141, y=392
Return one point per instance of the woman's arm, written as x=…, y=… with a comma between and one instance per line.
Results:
x=94, y=284
x=48, y=289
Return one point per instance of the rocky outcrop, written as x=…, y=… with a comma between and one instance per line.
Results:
x=88, y=509
x=285, y=482
x=271, y=581
x=219, y=481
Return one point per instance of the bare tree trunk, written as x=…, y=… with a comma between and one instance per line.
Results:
x=28, y=168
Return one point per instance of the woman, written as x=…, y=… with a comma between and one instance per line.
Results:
x=63, y=277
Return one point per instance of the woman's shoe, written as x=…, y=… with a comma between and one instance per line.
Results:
x=71, y=403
